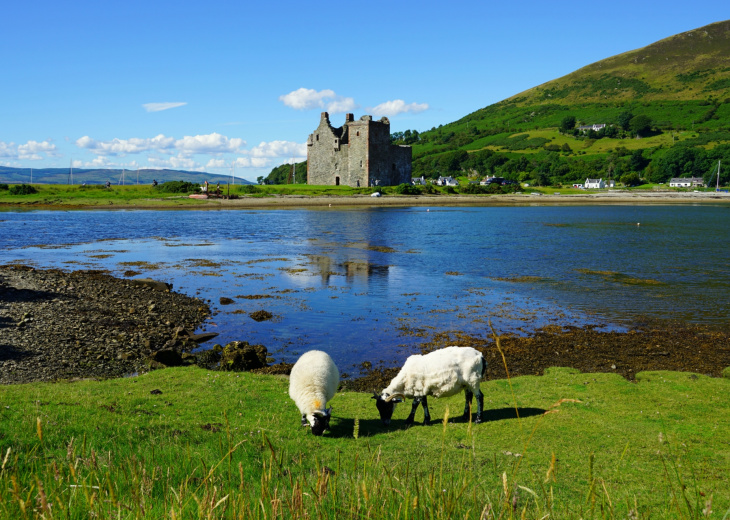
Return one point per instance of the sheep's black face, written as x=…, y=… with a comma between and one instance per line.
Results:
x=321, y=423
x=385, y=407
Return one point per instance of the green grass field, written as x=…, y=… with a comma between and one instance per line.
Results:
x=145, y=195
x=189, y=443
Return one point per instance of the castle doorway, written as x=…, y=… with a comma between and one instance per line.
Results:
x=337, y=181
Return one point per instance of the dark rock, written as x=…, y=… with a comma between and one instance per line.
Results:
x=240, y=356
x=261, y=315
x=167, y=357
x=152, y=284
x=226, y=301
x=203, y=337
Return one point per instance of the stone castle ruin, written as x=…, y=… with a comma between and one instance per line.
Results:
x=359, y=153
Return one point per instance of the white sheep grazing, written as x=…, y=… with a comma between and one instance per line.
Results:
x=312, y=383
x=441, y=373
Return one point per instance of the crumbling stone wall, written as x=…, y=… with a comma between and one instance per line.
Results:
x=359, y=152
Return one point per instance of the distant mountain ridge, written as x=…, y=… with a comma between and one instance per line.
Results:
x=101, y=176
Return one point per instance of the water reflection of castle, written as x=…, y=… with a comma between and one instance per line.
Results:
x=360, y=269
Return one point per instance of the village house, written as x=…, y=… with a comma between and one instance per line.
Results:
x=446, y=181
x=595, y=128
x=594, y=184
x=687, y=182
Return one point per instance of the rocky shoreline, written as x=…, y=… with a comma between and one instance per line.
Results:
x=58, y=325
x=87, y=324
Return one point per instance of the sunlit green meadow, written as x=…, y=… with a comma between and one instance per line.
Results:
x=189, y=443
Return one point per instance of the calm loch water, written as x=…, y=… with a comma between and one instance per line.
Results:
x=371, y=283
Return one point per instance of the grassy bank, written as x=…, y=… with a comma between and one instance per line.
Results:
x=146, y=195
x=96, y=196
x=188, y=443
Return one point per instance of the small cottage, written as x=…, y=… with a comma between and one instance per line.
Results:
x=592, y=184
x=687, y=182
x=447, y=181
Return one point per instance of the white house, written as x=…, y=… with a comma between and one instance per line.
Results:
x=447, y=181
x=686, y=182
x=594, y=184
x=595, y=127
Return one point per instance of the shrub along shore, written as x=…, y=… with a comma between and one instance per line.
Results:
x=190, y=442
x=300, y=195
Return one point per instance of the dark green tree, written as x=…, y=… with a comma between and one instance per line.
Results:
x=637, y=162
x=680, y=161
x=640, y=125
x=623, y=119
x=631, y=179
x=567, y=124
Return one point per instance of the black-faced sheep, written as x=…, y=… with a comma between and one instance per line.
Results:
x=441, y=373
x=312, y=383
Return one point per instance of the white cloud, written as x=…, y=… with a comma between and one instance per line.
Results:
x=341, y=105
x=188, y=145
x=208, y=151
x=308, y=99
x=158, y=107
x=31, y=150
x=210, y=143
x=126, y=146
x=176, y=163
x=8, y=149
x=279, y=149
x=217, y=163
x=398, y=106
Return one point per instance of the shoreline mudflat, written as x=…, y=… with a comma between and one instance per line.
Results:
x=611, y=197
x=60, y=325
x=616, y=197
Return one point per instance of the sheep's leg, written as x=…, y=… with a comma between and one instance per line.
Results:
x=304, y=420
x=414, y=407
x=426, y=414
x=480, y=405
x=467, y=407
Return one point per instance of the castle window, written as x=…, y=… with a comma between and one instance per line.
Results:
x=358, y=134
x=317, y=137
x=360, y=164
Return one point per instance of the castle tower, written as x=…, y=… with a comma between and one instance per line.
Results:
x=359, y=153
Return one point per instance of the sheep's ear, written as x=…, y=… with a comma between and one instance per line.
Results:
x=375, y=395
x=328, y=411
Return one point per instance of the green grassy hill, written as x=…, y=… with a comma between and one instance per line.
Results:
x=666, y=108
x=679, y=87
x=691, y=66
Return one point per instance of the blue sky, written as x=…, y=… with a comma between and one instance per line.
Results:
x=212, y=86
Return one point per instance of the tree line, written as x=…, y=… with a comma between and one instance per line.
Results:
x=550, y=168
